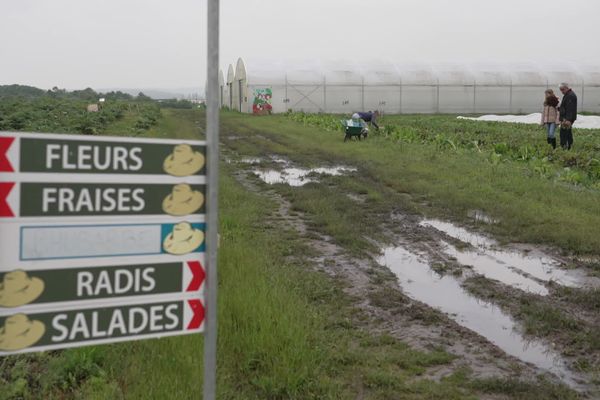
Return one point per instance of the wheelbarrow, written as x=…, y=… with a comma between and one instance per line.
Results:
x=352, y=130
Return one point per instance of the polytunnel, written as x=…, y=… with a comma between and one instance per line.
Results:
x=343, y=88
x=262, y=88
x=590, y=94
x=528, y=84
x=419, y=89
x=240, y=87
x=455, y=89
x=221, y=88
x=346, y=87
x=228, y=92
x=381, y=85
x=305, y=85
x=492, y=89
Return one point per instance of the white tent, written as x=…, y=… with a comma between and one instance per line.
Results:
x=345, y=87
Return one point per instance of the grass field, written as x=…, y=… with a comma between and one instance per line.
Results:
x=288, y=331
x=448, y=182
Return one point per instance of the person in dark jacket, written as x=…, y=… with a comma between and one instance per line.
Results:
x=568, y=115
x=370, y=117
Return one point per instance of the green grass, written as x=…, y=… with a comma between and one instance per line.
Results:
x=417, y=176
x=286, y=331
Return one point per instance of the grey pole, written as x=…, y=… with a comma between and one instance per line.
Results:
x=212, y=221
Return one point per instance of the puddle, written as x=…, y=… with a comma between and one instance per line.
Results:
x=279, y=160
x=298, y=176
x=250, y=160
x=506, y=266
x=444, y=293
x=459, y=233
x=492, y=268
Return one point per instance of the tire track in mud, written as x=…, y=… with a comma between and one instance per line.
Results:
x=377, y=295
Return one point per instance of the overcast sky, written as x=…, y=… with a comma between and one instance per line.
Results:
x=161, y=43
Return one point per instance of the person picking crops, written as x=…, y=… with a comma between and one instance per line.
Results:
x=370, y=117
x=568, y=115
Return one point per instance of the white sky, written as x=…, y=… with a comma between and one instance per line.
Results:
x=162, y=43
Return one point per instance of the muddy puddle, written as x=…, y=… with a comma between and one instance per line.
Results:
x=444, y=293
x=522, y=270
x=298, y=176
x=251, y=160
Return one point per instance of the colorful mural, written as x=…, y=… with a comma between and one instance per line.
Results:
x=262, y=101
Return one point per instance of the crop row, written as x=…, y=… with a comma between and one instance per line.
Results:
x=499, y=142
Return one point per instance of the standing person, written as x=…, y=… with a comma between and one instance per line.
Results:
x=370, y=117
x=568, y=115
x=550, y=116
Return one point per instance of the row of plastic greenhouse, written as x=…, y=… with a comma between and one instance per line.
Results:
x=402, y=88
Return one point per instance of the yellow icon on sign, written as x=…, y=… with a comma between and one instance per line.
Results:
x=183, y=200
x=184, y=161
x=18, y=289
x=19, y=332
x=183, y=239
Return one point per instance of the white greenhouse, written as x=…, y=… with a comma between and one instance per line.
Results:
x=343, y=87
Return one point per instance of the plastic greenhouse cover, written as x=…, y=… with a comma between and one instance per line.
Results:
x=590, y=75
x=417, y=74
x=230, y=74
x=453, y=74
x=316, y=72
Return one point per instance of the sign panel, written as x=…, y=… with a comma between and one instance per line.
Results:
x=74, y=154
x=49, y=199
x=29, y=242
x=36, y=331
x=102, y=239
x=20, y=288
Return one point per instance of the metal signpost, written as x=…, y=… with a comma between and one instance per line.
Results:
x=212, y=136
x=102, y=239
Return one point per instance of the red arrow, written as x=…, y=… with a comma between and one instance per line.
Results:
x=198, y=276
x=198, y=317
x=5, y=143
x=5, y=188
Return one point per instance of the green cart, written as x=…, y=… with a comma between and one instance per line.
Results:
x=353, y=131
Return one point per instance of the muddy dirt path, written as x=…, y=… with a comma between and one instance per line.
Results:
x=416, y=289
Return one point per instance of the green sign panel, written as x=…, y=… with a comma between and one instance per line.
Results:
x=20, y=288
x=106, y=157
x=22, y=331
x=82, y=199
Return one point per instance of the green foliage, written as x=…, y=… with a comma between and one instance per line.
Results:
x=70, y=115
x=29, y=92
x=325, y=121
x=502, y=141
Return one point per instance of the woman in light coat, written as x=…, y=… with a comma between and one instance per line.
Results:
x=550, y=116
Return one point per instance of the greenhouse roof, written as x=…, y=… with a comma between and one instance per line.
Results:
x=386, y=73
